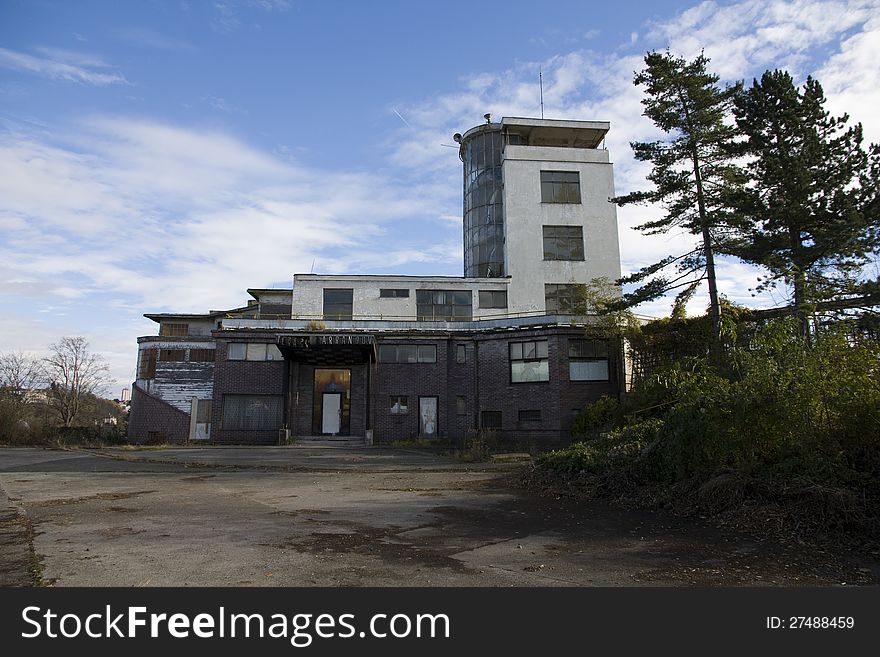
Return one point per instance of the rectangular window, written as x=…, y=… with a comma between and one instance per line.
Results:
x=393, y=293
x=529, y=362
x=565, y=299
x=147, y=369
x=399, y=404
x=490, y=419
x=446, y=305
x=201, y=355
x=493, y=298
x=560, y=187
x=460, y=353
x=252, y=412
x=259, y=351
x=563, y=242
x=173, y=330
x=461, y=405
x=256, y=351
x=407, y=353
x=172, y=355
x=530, y=416
x=337, y=304
x=588, y=360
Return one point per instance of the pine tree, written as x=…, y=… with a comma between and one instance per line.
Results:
x=692, y=173
x=810, y=214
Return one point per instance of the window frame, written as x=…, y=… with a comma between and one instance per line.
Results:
x=394, y=293
x=528, y=415
x=570, y=297
x=429, y=351
x=492, y=296
x=535, y=356
x=558, y=187
x=579, y=353
x=429, y=298
x=403, y=409
x=224, y=418
x=172, y=355
x=347, y=306
x=173, y=329
x=563, y=247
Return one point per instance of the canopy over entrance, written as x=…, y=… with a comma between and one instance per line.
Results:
x=328, y=349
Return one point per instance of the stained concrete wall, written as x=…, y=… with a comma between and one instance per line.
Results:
x=525, y=215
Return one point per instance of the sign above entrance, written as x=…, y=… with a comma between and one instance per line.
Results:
x=325, y=339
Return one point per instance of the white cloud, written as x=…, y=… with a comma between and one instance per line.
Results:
x=741, y=39
x=61, y=65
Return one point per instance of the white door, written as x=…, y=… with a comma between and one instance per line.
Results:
x=428, y=416
x=332, y=410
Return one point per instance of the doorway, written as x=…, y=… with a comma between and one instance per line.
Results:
x=428, y=417
x=331, y=409
x=331, y=412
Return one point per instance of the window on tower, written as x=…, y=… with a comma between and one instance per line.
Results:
x=560, y=187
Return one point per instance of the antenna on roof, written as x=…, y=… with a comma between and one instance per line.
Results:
x=312, y=270
x=541, y=84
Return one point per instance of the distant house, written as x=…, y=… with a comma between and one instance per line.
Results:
x=392, y=357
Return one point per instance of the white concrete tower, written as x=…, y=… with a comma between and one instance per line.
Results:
x=537, y=209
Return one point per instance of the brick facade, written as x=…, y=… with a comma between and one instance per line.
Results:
x=155, y=420
x=483, y=379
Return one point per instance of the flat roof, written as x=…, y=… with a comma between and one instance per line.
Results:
x=558, y=132
x=403, y=278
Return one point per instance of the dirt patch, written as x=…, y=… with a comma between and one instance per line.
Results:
x=64, y=501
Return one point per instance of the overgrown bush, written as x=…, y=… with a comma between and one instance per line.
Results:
x=769, y=413
x=596, y=418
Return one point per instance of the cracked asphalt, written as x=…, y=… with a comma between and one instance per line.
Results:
x=298, y=516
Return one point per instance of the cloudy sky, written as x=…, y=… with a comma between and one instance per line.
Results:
x=163, y=156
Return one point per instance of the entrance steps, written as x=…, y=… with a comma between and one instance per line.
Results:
x=329, y=441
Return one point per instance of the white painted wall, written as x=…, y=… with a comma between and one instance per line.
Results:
x=524, y=215
x=308, y=295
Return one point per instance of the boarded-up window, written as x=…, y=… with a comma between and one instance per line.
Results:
x=147, y=366
x=173, y=329
x=461, y=405
x=201, y=355
x=172, y=355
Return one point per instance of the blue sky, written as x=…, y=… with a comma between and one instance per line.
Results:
x=163, y=156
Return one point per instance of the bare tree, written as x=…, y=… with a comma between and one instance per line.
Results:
x=74, y=373
x=20, y=376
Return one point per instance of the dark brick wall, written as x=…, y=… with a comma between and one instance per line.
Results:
x=301, y=400
x=244, y=377
x=151, y=414
x=413, y=380
x=483, y=379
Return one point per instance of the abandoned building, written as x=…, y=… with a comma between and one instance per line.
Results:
x=385, y=358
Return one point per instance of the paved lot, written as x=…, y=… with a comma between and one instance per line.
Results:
x=333, y=516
